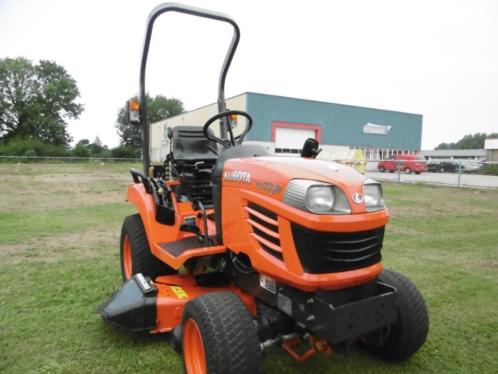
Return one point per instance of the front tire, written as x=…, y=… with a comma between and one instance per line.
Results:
x=135, y=253
x=382, y=169
x=408, y=171
x=219, y=336
x=410, y=332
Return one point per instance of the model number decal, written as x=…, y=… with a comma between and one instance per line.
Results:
x=269, y=187
x=237, y=176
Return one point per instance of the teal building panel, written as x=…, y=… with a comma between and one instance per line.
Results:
x=340, y=124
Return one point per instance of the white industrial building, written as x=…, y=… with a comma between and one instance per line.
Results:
x=281, y=124
x=491, y=149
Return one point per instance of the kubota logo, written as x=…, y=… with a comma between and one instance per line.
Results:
x=357, y=198
x=237, y=176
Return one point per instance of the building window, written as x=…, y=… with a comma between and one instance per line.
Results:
x=291, y=151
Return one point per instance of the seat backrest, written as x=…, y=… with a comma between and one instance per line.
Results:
x=189, y=143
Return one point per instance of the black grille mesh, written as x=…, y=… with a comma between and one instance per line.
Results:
x=328, y=252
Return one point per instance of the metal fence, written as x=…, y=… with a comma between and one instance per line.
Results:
x=67, y=159
x=459, y=175
x=441, y=172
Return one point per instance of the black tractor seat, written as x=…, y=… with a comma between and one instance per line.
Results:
x=189, y=144
x=191, y=162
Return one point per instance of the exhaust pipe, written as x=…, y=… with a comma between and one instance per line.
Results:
x=133, y=306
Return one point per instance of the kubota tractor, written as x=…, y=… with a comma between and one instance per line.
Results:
x=234, y=250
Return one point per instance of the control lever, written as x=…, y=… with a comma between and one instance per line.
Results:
x=198, y=205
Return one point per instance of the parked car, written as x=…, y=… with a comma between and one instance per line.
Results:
x=472, y=166
x=445, y=166
x=406, y=163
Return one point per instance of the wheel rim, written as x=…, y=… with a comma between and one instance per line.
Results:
x=127, y=260
x=193, y=349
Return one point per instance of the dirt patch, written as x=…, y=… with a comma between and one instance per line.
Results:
x=82, y=245
x=28, y=193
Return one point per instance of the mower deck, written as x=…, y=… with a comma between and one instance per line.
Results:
x=333, y=314
x=143, y=305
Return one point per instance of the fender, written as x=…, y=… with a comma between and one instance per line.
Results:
x=159, y=234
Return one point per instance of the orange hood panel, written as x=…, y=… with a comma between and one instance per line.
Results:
x=270, y=175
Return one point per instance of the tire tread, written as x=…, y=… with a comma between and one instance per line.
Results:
x=143, y=261
x=228, y=332
x=410, y=332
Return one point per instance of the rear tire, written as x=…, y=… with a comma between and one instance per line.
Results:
x=219, y=335
x=135, y=253
x=410, y=332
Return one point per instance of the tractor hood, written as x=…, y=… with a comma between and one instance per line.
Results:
x=271, y=175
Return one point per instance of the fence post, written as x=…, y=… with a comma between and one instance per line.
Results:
x=398, y=166
x=459, y=181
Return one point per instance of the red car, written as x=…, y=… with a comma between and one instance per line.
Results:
x=406, y=163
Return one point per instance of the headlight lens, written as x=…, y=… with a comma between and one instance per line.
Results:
x=316, y=197
x=320, y=199
x=374, y=198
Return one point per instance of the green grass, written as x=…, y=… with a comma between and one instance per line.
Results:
x=59, y=231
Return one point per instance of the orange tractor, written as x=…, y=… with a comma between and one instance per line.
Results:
x=233, y=250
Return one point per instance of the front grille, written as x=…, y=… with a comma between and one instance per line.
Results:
x=328, y=252
x=264, y=225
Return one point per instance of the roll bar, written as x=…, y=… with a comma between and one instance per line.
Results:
x=174, y=7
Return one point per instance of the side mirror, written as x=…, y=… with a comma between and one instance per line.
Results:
x=310, y=148
x=133, y=111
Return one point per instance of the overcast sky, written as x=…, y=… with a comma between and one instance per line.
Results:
x=436, y=58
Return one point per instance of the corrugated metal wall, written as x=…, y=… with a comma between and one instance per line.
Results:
x=341, y=124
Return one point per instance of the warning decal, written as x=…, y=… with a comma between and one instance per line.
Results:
x=179, y=292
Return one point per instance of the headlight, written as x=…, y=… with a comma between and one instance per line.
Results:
x=316, y=197
x=373, y=196
x=319, y=199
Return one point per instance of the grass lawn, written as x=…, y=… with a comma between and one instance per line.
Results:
x=59, y=233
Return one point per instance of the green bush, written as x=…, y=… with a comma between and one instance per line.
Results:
x=31, y=147
x=30, y=153
x=490, y=169
x=98, y=151
x=125, y=151
x=80, y=151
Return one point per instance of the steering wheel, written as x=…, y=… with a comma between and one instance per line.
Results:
x=233, y=140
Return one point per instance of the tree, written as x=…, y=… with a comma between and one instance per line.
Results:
x=83, y=142
x=96, y=148
x=475, y=141
x=125, y=151
x=158, y=108
x=81, y=150
x=36, y=100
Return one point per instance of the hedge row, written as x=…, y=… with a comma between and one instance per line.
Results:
x=35, y=147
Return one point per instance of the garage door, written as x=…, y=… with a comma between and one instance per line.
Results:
x=290, y=140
